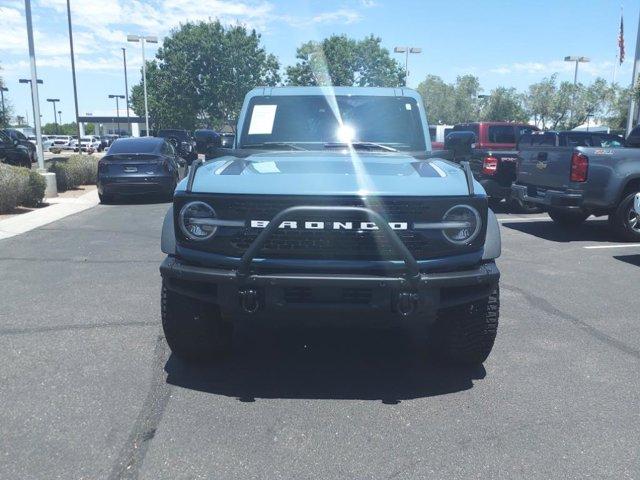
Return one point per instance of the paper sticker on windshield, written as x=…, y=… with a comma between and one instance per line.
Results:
x=262, y=119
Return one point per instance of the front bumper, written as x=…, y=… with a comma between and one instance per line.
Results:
x=549, y=198
x=274, y=292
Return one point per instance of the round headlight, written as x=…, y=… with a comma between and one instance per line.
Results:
x=196, y=221
x=465, y=224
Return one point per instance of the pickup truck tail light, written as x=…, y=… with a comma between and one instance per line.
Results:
x=579, y=167
x=489, y=165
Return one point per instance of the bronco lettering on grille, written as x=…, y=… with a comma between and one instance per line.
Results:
x=316, y=225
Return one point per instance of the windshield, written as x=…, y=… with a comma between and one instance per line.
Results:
x=309, y=121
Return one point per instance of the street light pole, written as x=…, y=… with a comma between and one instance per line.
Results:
x=126, y=89
x=117, y=109
x=142, y=40
x=407, y=51
x=634, y=79
x=59, y=117
x=4, y=111
x=73, y=74
x=577, y=60
x=34, y=85
x=55, y=118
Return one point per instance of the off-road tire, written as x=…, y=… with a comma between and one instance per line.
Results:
x=464, y=335
x=619, y=220
x=567, y=218
x=194, y=330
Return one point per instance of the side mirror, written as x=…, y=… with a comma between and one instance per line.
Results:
x=16, y=142
x=460, y=143
x=227, y=141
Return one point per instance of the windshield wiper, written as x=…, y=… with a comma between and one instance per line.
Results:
x=291, y=146
x=360, y=146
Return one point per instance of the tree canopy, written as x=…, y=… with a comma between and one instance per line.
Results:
x=201, y=74
x=342, y=61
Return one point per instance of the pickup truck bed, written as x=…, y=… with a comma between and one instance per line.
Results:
x=575, y=182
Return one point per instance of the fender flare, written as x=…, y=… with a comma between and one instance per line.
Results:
x=493, y=241
x=168, y=240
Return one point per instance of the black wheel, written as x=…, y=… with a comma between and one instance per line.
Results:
x=464, y=335
x=624, y=221
x=195, y=330
x=105, y=198
x=518, y=206
x=568, y=218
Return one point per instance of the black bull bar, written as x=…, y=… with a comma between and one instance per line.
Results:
x=414, y=290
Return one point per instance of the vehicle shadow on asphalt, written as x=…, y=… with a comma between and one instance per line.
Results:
x=630, y=259
x=590, y=231
x=325, y=363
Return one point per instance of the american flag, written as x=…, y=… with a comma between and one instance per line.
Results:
x=621, y=41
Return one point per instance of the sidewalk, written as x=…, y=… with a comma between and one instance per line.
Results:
x=58, y=208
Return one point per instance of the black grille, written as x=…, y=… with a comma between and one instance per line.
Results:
x=329, y=244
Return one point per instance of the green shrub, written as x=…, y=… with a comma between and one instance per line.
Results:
x=20, y=186
x=34, y=193
x=74, y=171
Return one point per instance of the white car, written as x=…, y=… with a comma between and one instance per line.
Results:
x=47, y=141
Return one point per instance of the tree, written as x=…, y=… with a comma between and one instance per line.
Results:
x=201, y=74
x=503, y=104
x=447, y=103
x=5, y=115
x=60, y=129
x=342, y=61
x=437, y=95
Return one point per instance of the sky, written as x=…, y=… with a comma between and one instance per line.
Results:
x=505, y=43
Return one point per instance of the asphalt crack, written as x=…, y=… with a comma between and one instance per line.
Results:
x=130, y=459
x=544, y=305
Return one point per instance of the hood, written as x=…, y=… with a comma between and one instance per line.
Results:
x=330, y=173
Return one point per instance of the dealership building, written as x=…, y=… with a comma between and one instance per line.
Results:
x=113, y=124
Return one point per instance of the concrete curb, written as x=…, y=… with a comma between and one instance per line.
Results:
x=58, y=208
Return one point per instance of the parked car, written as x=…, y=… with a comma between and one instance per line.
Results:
x=24, y=141
x=47, y=141
x=493, y=158
x=88, y=144
x=107, y=140
x=289, y=223
x=139, y=166
x=12, y=152
x=206, y=139
x=572, y=181
x=182, y=142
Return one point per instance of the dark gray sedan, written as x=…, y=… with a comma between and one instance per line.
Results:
x=139, y=166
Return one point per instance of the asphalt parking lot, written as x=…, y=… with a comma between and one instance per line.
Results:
x=89, y=389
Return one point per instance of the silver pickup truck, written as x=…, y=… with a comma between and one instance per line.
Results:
x=573, y=182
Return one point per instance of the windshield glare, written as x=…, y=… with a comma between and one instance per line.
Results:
x=309, y=121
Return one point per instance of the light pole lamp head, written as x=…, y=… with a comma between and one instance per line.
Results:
x=400, y=49
x=415, y=50
x=151, y=39
x=116, y=96
x=576, y=59
x=53, y=99
x=4, y=89
x=133, y=38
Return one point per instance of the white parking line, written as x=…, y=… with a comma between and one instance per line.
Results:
x=622, y=245
x=524, y=219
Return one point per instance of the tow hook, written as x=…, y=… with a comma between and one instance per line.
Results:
x=249, y=300
x=407, y=302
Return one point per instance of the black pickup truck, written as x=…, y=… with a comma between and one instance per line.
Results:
x=573, y=178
